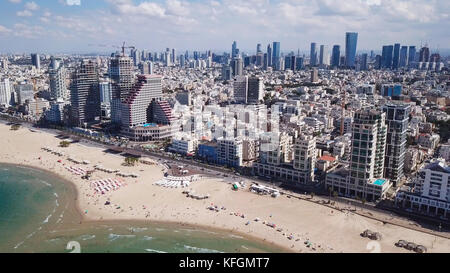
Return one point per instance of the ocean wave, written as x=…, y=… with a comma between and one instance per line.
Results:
x=154, y=250
x=46, y=219
x=45, y=183
x=133, y=229
x=86, y=237
x=113, y=236
x=236, y=236
x=160, y=229
x=201, y=250
x=148, y=238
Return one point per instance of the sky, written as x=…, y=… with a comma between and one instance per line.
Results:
x=63, y=26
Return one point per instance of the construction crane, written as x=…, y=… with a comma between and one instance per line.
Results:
x=123, y=47
x=344, y=101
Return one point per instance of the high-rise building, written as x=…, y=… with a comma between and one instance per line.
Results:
x=121, y=73
x=136, y=107
x=424, y=55
x=269, y=55
x=234, y=50
x=396, y=57
x=57, y=77
x=182, y=61
x=240, y=89
x=258, y=48
x=84, y=94
x=305, y=156
x=248, y=90
x=335, y=57
x=255, y=92
x=36, y=61
x=324, y=58
x=411, y=56
x=227, y=72
x=386, y=57
x=397, y=119
x=351, y=42
x=276, y=54
x=368, y=146
x=265, y=61
x=364, y=60
x=5, y=93
x=314, y=75
x=136, y=55
x=313, y=55
x=237, y=66
x=174, y=56
x=403, y=56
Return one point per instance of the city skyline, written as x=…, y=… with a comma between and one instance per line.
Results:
x=97, y=26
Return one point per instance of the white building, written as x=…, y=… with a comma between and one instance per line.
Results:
x=183, y=144
x=431, y=191
x=5, y=93
x=229, y=152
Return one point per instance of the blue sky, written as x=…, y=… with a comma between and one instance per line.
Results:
x=52, y=26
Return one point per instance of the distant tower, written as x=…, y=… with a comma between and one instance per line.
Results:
x=336, y=56
x=351, y=42
x=276, y=54
x=36, y=61
x=313, y=55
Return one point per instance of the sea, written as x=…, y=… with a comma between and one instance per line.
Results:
x=38, y=214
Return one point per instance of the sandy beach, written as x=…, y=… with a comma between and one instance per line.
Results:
x=327, y=229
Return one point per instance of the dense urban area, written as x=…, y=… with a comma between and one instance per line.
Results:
x=370, y=126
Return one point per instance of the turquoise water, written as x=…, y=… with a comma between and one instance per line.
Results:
x=380, y=182
x=37, y=214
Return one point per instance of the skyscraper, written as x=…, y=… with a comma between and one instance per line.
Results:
x=36, y=61
x=313, y=55
x=397, y=119
x=364, y=60
x=324, y=58
x=237, y=66
x=84, y=94
x=276, y=54
x=403, y=56
x=258, y=48
x=336, y=56
x=269, y=55
x=424, y=54
x=386, y=56
x=234, y=49
x=351, y=42
x=121, y=73
x=396, y=57
x=136, y=107
x=5, y=93
x=368, y=146
x=57, y=77
x=411, y=56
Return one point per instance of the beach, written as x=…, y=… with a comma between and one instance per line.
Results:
x=139, y=199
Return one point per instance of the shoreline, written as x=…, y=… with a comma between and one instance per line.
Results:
x=111, y=222
x=328, y=229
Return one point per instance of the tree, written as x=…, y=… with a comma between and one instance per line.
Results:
x=131, y=161
x=15, y=127
x=64, y=144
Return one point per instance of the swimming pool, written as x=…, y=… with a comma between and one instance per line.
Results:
x=379, y=182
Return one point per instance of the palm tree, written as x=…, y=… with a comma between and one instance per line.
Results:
x=15, y=127
x=64, y=144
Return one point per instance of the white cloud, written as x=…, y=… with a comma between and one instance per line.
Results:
x=73, y=2
x=4, y=29
x=24, y=13
x=15, y=1
x=31, y=6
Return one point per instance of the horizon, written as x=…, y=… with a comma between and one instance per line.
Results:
x=79, y=26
